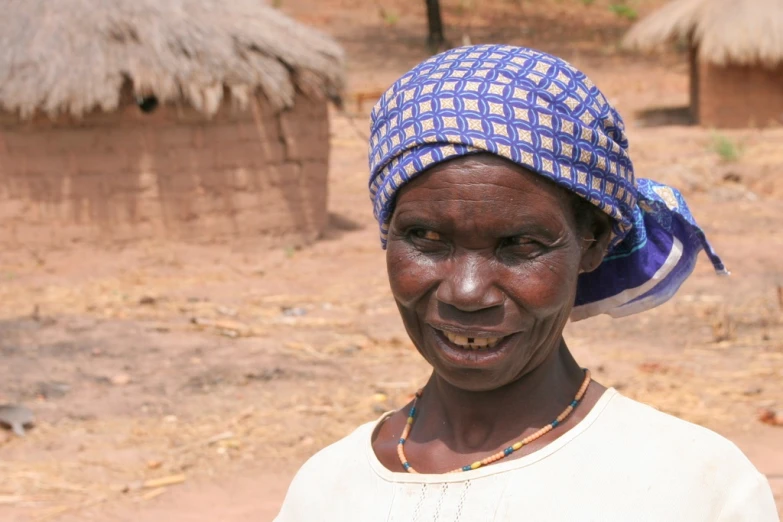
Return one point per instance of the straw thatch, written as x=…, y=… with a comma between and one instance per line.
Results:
x=73, y=56
x=742, y=32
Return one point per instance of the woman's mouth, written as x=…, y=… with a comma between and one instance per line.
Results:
x=472, y=351
x=472, y=343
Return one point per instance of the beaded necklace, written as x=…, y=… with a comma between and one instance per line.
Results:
x=500, y=454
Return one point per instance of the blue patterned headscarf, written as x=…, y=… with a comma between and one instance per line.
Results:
x=546, y=116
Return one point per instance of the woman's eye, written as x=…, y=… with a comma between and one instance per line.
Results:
x=429, y=235
x=520, y=241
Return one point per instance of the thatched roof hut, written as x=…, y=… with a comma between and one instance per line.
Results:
x=71, y=56
x=188, y=119
x=736, y=55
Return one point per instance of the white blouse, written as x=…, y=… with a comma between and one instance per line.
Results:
x=623, y=462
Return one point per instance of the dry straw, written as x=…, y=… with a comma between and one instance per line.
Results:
x=741, y=32
x=74, y=56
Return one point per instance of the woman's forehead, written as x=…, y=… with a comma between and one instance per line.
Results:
x=481, y=178
x=495, y=192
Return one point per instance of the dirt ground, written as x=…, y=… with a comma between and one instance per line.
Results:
x=188, y=382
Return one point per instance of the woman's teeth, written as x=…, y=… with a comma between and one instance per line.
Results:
x=472, y=343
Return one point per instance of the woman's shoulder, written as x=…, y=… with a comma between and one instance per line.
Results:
x=349, y=449
x=683, y=462
x=323, y=477
x=639, y=427
x=346, y=455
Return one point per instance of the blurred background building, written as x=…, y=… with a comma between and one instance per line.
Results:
x=135, y=119
x=736, y=74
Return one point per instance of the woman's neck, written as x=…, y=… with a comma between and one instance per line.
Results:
x=466, y=420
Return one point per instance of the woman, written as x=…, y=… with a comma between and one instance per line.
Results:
x=507, y=203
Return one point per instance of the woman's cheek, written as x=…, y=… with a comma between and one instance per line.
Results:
x=546, y=286
x=410, y=273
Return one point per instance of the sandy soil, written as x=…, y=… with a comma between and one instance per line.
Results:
x=188, y=382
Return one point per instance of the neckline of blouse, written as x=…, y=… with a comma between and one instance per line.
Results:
x=500, y=467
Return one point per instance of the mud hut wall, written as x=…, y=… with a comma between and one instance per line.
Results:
x=693, y=84
x=170, y=173
x=740, y=96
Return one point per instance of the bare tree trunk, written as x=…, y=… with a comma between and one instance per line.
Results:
x=436, y=40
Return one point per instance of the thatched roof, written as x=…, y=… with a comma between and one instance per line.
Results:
x=743, y=32
x=72, y=56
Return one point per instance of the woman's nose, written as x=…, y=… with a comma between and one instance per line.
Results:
x=469, y=286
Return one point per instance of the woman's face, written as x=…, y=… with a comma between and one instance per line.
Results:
x=483, y=258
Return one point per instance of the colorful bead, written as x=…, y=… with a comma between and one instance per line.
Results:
x=501, y=454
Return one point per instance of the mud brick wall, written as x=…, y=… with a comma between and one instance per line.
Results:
x=170, y=174
x=736, y=97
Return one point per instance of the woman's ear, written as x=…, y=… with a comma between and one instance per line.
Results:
x=595, y=239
